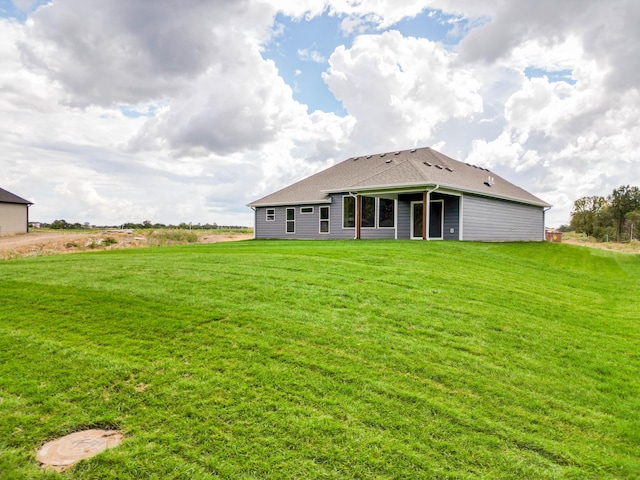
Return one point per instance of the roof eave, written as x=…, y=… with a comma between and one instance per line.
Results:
x=286, y=204
x=405, y=186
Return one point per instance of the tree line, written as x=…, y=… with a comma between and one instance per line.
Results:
x=64, y=225
x=616, y=217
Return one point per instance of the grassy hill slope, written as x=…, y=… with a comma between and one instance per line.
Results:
x=326, y=360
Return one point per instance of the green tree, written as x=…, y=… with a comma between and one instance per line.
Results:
x=633, y=223
x=585, y=213
x=59, y=224
x=622, y=201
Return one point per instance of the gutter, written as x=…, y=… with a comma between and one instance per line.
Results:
x=255, y=223
x=544, y=212
x=407, y=187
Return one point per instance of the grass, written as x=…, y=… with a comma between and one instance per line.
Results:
x=330, y=359
x=574, y=238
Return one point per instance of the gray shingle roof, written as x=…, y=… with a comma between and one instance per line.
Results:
x=8, y=197
x=417, y=168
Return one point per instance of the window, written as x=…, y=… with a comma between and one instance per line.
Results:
x=324, y=219
x=291, y=220
x=386, y=212
x=348, y=212
x=271, y=214
x=368, y=214
x=306, y=210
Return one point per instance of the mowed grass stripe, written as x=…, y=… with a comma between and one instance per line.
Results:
x=326, y=360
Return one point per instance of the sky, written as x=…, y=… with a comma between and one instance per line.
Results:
x=184, y=112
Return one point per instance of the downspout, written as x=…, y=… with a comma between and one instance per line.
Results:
x=255, y=221
x=427, y=203
x=544, y=211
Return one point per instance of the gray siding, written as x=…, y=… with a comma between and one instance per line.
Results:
x=451, y=215
x=404, y=217
x=377, y=233
x=336, y=219
x=487, y=219
x=484, y=219
x=307, y=226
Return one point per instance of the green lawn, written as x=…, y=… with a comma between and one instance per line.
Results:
x=355, y=359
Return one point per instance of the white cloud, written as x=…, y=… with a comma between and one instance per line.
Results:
x=399, y=90
x=311, y=55
x=125, y=52
x=224, y=127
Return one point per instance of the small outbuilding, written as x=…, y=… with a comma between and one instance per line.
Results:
x=553, y=235
x=409, y=194
x=14, y=213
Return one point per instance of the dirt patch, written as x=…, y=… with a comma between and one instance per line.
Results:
x=49, y=243
x=63, y=452
x=633, y=247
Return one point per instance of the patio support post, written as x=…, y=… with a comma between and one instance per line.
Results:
x=358, y=214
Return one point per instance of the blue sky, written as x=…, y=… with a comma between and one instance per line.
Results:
x=19, y=12
x=302, y=48
x=117, y=111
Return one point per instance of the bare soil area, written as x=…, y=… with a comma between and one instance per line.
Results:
x=631, y=247
x=49, y=243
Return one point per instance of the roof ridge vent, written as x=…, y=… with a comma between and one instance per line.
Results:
x=449, y=169
x=382, y=154
x=427, y=164
x=439, y=167
x=413, y=150
x=397, y=153
x=388, y=160
x=369, y=156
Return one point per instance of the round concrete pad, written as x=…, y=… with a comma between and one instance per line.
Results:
x=69, y=449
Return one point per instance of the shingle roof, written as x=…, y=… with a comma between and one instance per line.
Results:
x=8, y=197
x=419, y=168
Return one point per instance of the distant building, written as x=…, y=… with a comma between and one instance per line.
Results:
x=14, y=213
x=553, y=235
x=410, y=194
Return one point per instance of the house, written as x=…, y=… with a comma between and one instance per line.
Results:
x=409, y=194
x=14, y=213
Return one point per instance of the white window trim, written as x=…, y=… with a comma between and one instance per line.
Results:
x=412, y=234
x=320, y=220
x=395, y=208
x=306, y=213
x=355, y=208
x=286, y=221
x=375, y=213
x=267, y=215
